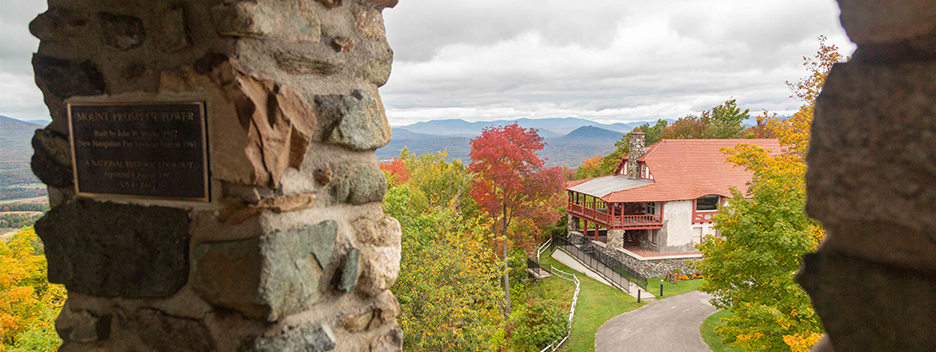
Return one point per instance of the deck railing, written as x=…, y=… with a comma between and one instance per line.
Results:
x=601, y=216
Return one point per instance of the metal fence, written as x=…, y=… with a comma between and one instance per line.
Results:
x=534, y=266
x=613, y=269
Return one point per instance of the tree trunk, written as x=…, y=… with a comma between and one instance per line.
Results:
x=506, y=264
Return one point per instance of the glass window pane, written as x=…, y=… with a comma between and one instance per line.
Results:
x=707, y=203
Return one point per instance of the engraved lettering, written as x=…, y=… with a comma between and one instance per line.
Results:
x=150, y=150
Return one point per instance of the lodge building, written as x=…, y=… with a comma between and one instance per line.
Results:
x=660, y=201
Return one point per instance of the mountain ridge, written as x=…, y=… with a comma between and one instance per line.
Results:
x=9, y=122
x=570, y=149
x=548, y=127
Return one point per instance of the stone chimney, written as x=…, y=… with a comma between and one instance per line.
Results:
x=635, y=141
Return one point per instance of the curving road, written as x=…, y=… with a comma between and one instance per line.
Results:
x=667, y=325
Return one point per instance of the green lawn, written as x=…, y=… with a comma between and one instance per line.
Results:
x=596, y=304
x=714, y=340
x=671, y=289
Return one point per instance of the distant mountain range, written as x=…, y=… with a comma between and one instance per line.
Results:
x=15, y=137
x=569, y=141
x=15, y=152
x=551, y=127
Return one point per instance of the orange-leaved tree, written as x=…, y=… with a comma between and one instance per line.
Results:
x=591, y=167
x=29, y=303
x=764, y=235
x=511, y=181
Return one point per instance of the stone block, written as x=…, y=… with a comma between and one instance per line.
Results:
x=379, y=270
x=310, y=338
x=108, y=249
x=286, y=20
x=304, y=64
x=386, y=309
x=330, y=3
x=267, y=127
x=121, y=31
x=172, y=34
x=235, y=211
x=343, y=44
x=866, y=306
x=357, y=322
x=163, y=333
x=269, y=277
x=355, y=121
x=383, y=233
x=66, y=78
x=391, y=341
x=377, y=70
x=380, y=4
x=51, y=160
x=57, y=24
x=81, y=326
x=866, y=112
x=323, y=175
x=875, y=21
x=348, y=271
x=370, y=22
x=366, y=185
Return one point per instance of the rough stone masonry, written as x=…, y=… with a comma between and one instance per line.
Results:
x=872, y=183
x=293, y=253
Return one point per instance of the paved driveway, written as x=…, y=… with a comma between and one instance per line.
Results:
x=668, y=325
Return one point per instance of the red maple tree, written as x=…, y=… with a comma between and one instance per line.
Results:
x=396, y=169
x=511, y=182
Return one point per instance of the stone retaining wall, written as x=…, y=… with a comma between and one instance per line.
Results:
x=651, y=267
x=648, y=267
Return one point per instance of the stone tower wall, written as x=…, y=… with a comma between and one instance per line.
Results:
x=872, y=183
x=293, y=253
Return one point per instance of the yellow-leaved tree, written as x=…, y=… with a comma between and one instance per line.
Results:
x=764, y=233
x=29, y=304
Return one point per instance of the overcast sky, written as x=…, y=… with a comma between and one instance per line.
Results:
x=605, y=60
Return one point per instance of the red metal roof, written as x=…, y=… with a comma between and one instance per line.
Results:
x=690, y=168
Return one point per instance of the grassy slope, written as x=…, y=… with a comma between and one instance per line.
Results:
x=711, y=338
x=670, y=289
x=597, y=303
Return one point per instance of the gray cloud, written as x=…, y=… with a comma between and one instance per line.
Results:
x=20, y=98
x=609, y=60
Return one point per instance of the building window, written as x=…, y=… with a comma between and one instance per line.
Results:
x=643, y=171
x=651, y=208
x=653, y=236
x=696, y=235
x=707, y=203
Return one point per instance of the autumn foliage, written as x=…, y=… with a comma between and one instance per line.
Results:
x=511, y=182
x=29, y=303
x=765, y=233
x=395, y=170
x=448, y=284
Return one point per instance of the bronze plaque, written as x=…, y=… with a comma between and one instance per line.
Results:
x=150, y=150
